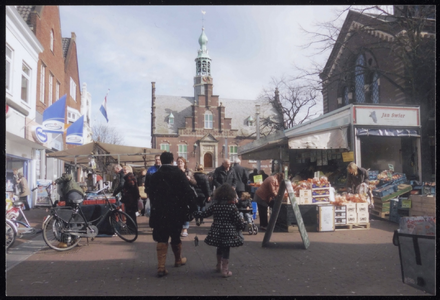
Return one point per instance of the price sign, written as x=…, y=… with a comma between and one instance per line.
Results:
x=347, y=156
x=391, y=167
x=258, y=178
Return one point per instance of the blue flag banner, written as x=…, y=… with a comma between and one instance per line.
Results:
x=103, y=107
x=74, y=134
x=54, y=116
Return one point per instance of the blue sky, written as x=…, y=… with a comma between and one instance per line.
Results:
x=125, y=48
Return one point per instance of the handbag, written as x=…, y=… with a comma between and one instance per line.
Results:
x=140, y=204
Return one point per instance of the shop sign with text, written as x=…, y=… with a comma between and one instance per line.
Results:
x=383, y=115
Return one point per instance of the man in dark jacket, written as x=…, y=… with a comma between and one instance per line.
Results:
x=119, y=181
x=251, y=175
x=242, y=178
x=224, y=174
x=172, y=200
x=203, y=191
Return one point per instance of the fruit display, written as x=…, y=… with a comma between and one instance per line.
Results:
x=348, y=197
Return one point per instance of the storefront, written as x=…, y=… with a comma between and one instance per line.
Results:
x=373, y=136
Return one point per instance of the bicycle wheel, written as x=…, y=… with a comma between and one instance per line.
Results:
x=55, y=238
x=124, y=226
x=10, y=235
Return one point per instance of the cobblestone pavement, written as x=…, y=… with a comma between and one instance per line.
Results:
x=348, y=263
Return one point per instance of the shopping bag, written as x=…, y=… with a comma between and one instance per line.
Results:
x=142, y=192
x=140, y=204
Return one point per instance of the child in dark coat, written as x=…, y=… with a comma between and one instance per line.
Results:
x=224, y=229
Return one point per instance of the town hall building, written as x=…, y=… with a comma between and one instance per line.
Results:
x=205, y=128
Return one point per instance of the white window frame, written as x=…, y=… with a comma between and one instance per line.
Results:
x=57, y=91
x=233, y=152
x=42, y=82
x=209, y=120
x=165, y=147
x=51, y=77
x=51, y=40
x=183, y=151
x=28, y=78
x=9, y=60
x=72, y=114
x=171, y=120
x=72, y=89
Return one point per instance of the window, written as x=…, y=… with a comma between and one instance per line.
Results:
x=42, y=82
x=359, y=79
x=171, y=119
x=57, y=91
x=8, y=68
x=208, y=120
x=233, y=153
x=72, y=89
x=165, y=147
x=182, y=151
x=51, y=40
x=250, y=121
x=25, y=82
x=375, y=88
x=50, y=89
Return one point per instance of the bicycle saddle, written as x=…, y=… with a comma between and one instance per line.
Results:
x=18, y=203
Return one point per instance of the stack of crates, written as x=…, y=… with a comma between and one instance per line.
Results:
x=372, y=174
x=399, y=207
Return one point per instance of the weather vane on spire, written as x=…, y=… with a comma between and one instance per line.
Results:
x=203, y=13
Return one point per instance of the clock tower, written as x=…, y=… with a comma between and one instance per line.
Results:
x=203, y=67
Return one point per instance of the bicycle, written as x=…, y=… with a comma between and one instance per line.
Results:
x=11, y=233
x=17, y=217
x=66, y=225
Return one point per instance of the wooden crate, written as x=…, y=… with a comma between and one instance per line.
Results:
x=379, y=214
x=341, y=227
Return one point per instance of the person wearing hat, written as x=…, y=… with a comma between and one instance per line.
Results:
x=24, y=190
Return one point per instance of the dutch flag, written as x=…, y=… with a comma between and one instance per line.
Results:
x=103, y=108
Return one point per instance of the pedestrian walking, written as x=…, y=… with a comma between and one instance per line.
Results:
x=265, y=195
x=181, y=164
x=224, y=174
x=223, y=233
x=141, y=187
x=130, y=193
x=23, y=189
x=203, y=191
x=172, y=203
x=242, y=178
x=151, y=170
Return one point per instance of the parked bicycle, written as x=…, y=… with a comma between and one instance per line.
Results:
x=11, y=233
x=16, y=215
x=66, y=225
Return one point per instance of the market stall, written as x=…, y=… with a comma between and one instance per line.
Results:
x=376, y=137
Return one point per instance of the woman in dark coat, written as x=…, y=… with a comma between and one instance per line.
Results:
x=203, y=191
x=130, y=193
x=224, y=229
x=355, y=177
x=181, y=164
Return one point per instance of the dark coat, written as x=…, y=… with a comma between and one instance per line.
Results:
x=243, y=204
x=221, y=176
x=170, y=196
x=354, y=180
x=119, y=183
x=242, y=178
x=224, y=228
x=202, y=188
x=130, y=192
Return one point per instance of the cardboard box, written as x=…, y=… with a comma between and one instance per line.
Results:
x=305, y=199
x=422, y=225
x=352, y=218
x=340, y=214
x=305, y=193
x=342, y=208
x=321, y=192
x=340, y=221
x=362, y=208
x=351, y=207
x=363, y=218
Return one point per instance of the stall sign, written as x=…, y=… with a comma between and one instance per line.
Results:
x=39, y=135
x=390, y=116
x=391, y=167
x=347, y=156
x=258, y=178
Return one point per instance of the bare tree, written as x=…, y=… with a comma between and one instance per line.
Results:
x=106, y=134
x=294, y=102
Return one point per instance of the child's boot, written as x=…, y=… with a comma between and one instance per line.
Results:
x=225, y=268
x=218, y=267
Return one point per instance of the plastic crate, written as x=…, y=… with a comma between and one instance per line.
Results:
x=385, y=191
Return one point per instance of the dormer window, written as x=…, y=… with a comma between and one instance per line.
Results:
x=250, y=121
x=171, y=119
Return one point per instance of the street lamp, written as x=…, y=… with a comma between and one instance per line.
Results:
x=195, y=148
x=257, y=109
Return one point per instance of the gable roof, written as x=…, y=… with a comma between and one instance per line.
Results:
x=239, y=110
x=25, y=12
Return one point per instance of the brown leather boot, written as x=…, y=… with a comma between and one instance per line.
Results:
x=161, y=249
x=218, y=267
x=177, y=250
x=225, y=268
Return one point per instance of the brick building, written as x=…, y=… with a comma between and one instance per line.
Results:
x=364, y=68
x=206, y=128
